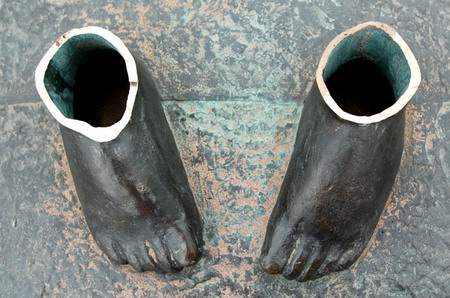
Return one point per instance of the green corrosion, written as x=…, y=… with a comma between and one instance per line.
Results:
x=377, y=46
x=60, y=75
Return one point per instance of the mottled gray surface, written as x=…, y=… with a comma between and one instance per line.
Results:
x=235, y=152
x=218, y=49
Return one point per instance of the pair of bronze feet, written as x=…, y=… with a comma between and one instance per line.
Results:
x=133, y=187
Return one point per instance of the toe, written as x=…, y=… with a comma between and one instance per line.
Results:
x=159, y=254
x=311, y=265
x=347, y=259
x=118, y=255
x=297, y=259
x=305, y=261
x=277, y=248
x=112, y=249
x=189, y=251
x=152, y=257
x=329, y=264
x=273, y=264
x=135, y=261
x=327, y=268
x=141, y=260
x=193, y=236
x=180, y=255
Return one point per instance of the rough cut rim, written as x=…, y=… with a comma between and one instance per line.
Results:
x=98, y=134
x=399, y=104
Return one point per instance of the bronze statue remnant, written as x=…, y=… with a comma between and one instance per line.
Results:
x=133, y=187
x=346, y=156
x=123, y=157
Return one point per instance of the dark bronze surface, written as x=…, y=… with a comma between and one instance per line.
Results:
x=336, y=186
x=134, y=191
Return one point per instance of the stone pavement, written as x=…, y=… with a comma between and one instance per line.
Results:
x=233, y=76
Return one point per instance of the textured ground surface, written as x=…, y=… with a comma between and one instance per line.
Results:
x=242, y=71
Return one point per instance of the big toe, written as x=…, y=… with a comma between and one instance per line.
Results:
x=183, y=251
x=272, y=264
x=277, y=249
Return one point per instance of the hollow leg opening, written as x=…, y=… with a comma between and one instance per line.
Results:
x=87, y=80
x=360, y=88
x=367, y=73
x=101, y=89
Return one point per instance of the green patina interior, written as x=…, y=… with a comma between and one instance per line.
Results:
x=60, y=75
x=377, y=46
